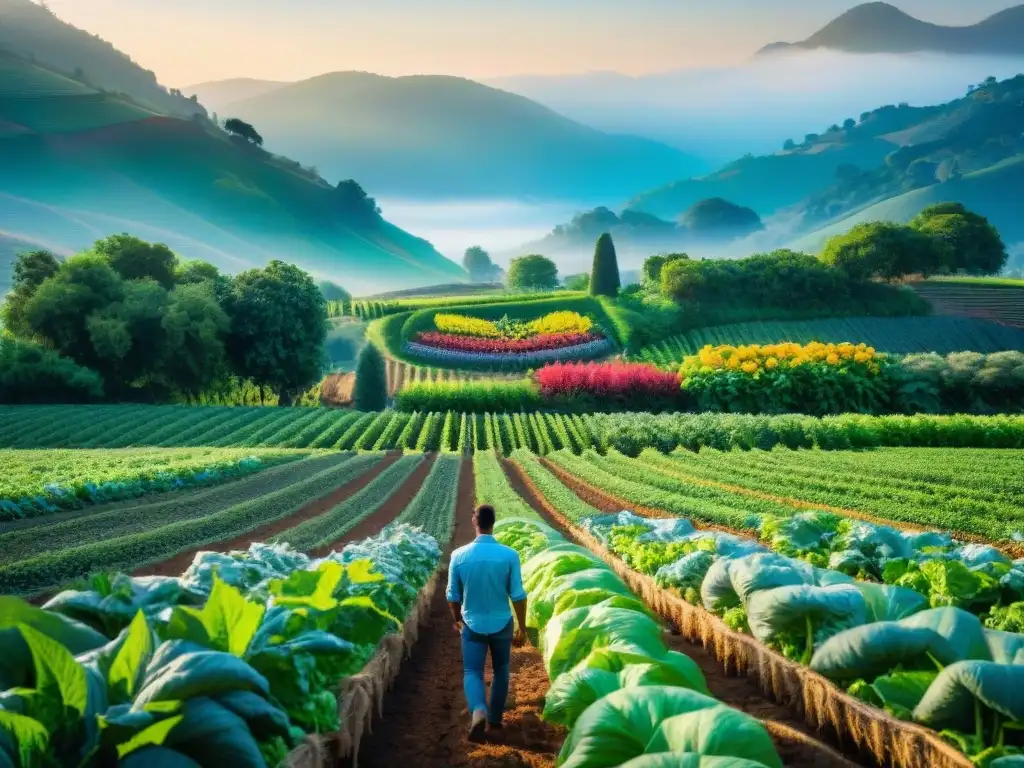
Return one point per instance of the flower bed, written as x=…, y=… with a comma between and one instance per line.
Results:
x=614, y=379
x=446, y=358
x=502, y=346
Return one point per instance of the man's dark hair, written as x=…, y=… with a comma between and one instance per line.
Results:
x=484, y=516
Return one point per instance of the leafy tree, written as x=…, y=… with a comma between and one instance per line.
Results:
x=886, y=250
x=199, y=272
x=371, y=388
x=579, y=282
x=354, y=202
x=973, y=244
x=244, y=130
x=278, y=327
x=195, y=326
x=58, y=309
x=849, y=124
x=333, y=291
x=477, y=263
x=604, y=276
x=810, y=138
x=134, y=259
x=533, y=272
x=31, y=268
x=682, y=279
x=789, y=145
x=31, y=373
x=718, y=218
x=650, y=273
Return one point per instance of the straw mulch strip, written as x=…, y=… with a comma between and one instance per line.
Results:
x=361, y=694
x=823, y=705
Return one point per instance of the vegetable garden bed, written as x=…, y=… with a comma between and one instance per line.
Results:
x=822, y=704
x=363, y=694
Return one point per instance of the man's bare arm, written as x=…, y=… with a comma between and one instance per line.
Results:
x=456, y=610
x=520, y=609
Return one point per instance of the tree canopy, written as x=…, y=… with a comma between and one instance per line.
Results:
x=353, y=202
x=278, y=328
x=886, y=250
x=127, y=321
x=370, y=392
x=716, y=217
x=974, y=246
x=604, y=276
x=478, y=265
x=650, y=273
x=244, y=130
x=533, y=272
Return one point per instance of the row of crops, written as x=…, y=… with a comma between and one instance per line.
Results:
x=44, y=555
x=896, y=335
x=801, y=567
x=121, y=426
x=39, y=482
x=987, y=299
x=232, y=663
x=918, y=625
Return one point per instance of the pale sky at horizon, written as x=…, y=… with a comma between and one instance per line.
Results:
x=200, y=40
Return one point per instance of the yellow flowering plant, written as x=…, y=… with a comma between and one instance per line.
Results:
x=813, y=378
x=553, y=323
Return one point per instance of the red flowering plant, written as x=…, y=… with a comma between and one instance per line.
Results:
x=501, y=346
x=612, y=385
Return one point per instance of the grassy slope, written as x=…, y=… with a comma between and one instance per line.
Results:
x=445, y=135
x=991, y=192
x=29, y=29
x=764, y=183
x=70, y=182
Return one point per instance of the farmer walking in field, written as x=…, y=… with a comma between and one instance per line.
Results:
x=483, y=578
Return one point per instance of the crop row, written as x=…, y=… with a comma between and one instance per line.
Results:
x=900, y=335
x=910, y=646
x=26, y=427
x=53, y=568
x=42, y=481
x=231, y=663
x=114, y=521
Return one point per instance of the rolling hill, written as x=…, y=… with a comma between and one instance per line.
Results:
x=435, y=136
x=33, y=32
x=217, y=95
x=77, y=164
x=994, y=191
x=883, y=28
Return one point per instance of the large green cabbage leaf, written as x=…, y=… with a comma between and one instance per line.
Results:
x=633, y=722
x=570, y=637
x=951, y=700
x=799, y=617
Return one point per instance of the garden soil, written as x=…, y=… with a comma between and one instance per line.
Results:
x=425, y=717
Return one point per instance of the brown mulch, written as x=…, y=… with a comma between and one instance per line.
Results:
x=388, y=511
x=796, y=743
x=180, y=562
x=425, y=715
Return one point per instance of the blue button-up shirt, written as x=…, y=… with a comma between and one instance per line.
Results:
x=484, y=576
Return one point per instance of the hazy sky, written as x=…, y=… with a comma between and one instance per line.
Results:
x=189, y=41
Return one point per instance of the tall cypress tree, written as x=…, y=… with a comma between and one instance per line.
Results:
x=371, y=387
x=604, y=278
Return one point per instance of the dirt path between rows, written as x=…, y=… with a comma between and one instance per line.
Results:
x=386, y=513
x=179, y=563
x=797, y=744
x=425, y=716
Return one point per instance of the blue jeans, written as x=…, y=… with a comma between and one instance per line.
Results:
x=474, y=656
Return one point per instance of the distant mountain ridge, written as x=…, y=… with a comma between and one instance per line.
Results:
x=439, y=136
x=77, y=164
x=883, y=28
x=33, y=32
